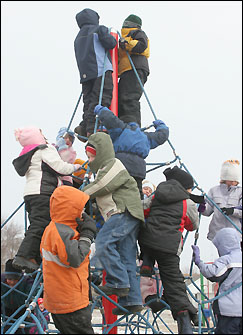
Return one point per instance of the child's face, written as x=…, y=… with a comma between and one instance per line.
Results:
x=11, y=282
x=147, y=190
x=231, y=183
x=41, y=307
x=68, y=140
x=90, y=156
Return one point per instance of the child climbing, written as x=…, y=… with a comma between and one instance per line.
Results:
x=227, y=271
x=45, y=313
x=131, y=144
x=136, y=43
x=228, y=197
x=160, y=239
x=42, y=167
x=65, y=248
x=91, y=46
x=118, y=199
x=64, y=146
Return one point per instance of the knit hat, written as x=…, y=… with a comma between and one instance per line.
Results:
x=147, y=183
x=230, y=170
x=90, y=148
x=132, y=21
x=80, y=173
x=9, y=268
x=40, y=301
x=60, y=141
x=29, y=135
x=180, y=175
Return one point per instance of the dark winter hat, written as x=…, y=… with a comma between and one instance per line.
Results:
x=132, y=21
x=180, y=175
x=9, y=268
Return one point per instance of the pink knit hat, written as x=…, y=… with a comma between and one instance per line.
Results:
x=29, y=135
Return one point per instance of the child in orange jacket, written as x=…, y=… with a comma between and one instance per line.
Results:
x=65, y=248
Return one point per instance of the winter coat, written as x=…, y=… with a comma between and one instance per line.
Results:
x=91, y=44
x=42, y=167
x=14, y=299
x=171, y=211
x=131, y=144
x=223, y=196
x=114, y=189
x=65, y=256
x=138, y=49
x=229, y=266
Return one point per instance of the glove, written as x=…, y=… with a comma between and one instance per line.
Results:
x=77, y=167
x=201, y=207
x=198, y=199
x=227, y=211
x=86, y=227
x=98, y=109
x=122, y=43
x=196, y=254
x=158, y=124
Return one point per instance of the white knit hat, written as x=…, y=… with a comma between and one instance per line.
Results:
x=147, y=183
x=230, y=170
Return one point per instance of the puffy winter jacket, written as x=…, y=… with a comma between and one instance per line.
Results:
x=227, y=270
x=91, y=44
x=42, y=167
x=114, y=189
x=171, y=211
x=223, y=196
x=65, y=255
x=131, y=144
x=138, y=49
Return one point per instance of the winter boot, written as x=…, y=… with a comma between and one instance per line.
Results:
x=184, y=323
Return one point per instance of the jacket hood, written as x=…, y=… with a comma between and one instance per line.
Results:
x=226, y=240
x=66, y=204
x=171, y=191
x=87, y=16
x=104, y=150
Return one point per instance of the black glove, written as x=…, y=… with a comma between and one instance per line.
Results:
x=86, y=227
x=227, y=211
x=122, y=43
x=198, y=199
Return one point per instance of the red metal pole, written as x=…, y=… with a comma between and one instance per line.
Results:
x=108, y=306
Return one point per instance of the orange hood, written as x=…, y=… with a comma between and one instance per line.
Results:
x=66, y=204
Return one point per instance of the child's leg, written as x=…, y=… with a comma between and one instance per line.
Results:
x=94, y=98
x=38, y=207
x=129, y=94
x=228, y=325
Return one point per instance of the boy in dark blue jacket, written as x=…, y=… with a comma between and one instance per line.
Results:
x=131, y=144
x=91, y=44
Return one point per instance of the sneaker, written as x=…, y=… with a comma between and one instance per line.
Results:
x=131, y=310
x=22, y=263
x=146, y=271
x=120, y=292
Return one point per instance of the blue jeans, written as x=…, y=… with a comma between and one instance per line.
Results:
x=116, y=246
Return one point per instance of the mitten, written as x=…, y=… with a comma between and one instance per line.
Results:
x=98, y=109
x=122, y=43
x=201, y=207
x=77, y=167
x=86, y=227
x=196, y=254
x=227, y=211
x=158, y=124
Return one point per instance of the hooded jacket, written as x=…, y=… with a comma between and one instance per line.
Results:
x=171, y=211
x=138, y=49
x=227, y=270
x=65, y=256
x=42, y=167
x=223, y=196
x=91, y=44
x=131, y=144
x=114, y=189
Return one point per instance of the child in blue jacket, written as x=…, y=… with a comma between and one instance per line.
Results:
x=131, y=144
x=91, y=44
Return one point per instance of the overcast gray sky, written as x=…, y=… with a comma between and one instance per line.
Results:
x=195, y=83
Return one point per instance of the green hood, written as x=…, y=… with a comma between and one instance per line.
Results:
x=104, y=150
